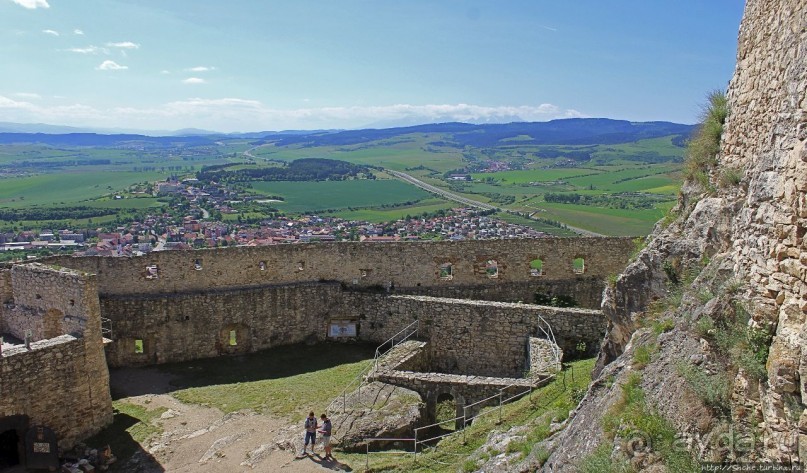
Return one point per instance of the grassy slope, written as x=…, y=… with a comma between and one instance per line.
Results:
x=286, y=381
x=451, y=454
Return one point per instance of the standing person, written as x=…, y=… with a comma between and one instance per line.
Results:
x=310, y=432
x=325, y=431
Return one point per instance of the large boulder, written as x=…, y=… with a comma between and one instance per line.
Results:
x=376, y=410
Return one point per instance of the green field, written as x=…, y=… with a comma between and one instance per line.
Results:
x=607, y=221
x=393, y=154
x=68, y=188
x=396, y=213
x=618, y=177
x=322, y=195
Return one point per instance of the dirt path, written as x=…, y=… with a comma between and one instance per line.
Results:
x=205, y=440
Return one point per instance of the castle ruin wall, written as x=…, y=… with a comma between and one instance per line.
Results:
x=187, y=326
x=474, y=337
x=61, y=378
x=407, y=267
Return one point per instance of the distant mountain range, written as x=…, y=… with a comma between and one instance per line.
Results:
x=572, y=131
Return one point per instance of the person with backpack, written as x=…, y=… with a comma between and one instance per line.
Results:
x=310, y=432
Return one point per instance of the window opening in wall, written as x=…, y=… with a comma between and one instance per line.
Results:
x=300, y=266
x=197, y=265
x=138, y=346
x=152, y=271
x=446, y=271
x=233, y=338
x=579, y=266
x=537, y=267
x=38, y=296
x=492, y=269
x=363, y=273
x=262, y=265
x=72, y=302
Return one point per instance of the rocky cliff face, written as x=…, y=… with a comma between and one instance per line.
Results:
x=707, y=335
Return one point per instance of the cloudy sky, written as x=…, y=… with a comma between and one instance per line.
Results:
x=249, y=65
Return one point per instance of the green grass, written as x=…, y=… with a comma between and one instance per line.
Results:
x=451, y=454
x=631, y=418
x=532, y=175
x=321, y=195
x=604, y=220
x=286, y=381
x=378, y=215
x=129, y=203
x=64, y=188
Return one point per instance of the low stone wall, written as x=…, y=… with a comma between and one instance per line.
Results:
x=474, y=337
x=179, y=327
x=61, y=383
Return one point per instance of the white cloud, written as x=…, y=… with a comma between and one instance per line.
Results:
x=165, y=71
x=27, y=95
x=234, y=114
x=194, y=80
x=200, y=69
x=78, y=32
x=88, y=50
x=124, y=45
x=32, y=4
x=51, y=32
x=111, y=66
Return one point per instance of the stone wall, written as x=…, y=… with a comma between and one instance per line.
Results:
x=6, y=297
x=48, y=302
x=413, y=265
x=61, y=383
x=187, y=326
x=473, y=337
x=765, y=137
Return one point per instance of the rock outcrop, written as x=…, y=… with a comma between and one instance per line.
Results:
x=708, y=321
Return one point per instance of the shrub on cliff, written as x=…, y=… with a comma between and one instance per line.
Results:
x=701, y=155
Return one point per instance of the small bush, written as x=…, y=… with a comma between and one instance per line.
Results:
x=713, y=389
x=731, y=177
x=600, y=461
x=705, y=327
x=704, y=147
x=664, y=325
x=643, y=355
x=541, y=455
x=611, y=280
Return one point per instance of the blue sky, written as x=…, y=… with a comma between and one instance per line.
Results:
x=267, y=65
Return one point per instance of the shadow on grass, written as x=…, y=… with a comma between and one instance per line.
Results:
x=273, y=363
x=123, y=445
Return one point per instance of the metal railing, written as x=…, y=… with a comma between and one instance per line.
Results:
x=405, y=333
x=353, y=388
x=419, y=444
x=550, y=335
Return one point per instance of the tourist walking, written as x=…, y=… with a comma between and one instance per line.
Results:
x=310, y=432
x=325, y=432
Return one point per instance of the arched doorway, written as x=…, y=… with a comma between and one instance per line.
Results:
x=9, y=449
x=445, y=412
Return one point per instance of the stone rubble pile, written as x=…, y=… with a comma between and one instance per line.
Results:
x=84, y=459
